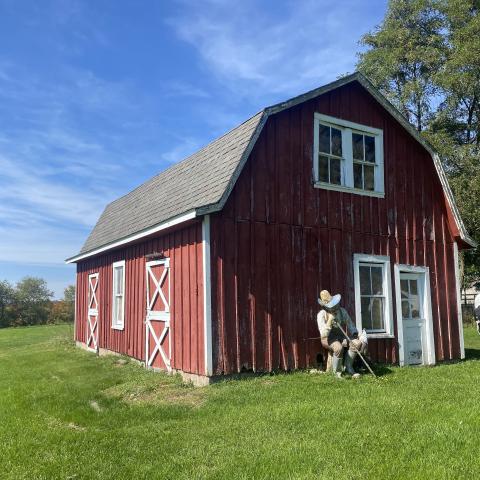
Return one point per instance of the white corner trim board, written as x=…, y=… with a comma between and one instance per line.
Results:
x=207, y=295
x=157, y=228
x=459, y=304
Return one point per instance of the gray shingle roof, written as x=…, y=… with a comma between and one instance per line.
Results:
x=202, y=182
x=197, y=181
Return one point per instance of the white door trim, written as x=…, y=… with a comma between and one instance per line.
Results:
x=424, y=283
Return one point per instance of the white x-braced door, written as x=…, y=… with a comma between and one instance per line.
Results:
x=92, y=312
x=157, y=321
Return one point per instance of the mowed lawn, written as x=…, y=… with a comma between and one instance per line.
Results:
x=65, y=413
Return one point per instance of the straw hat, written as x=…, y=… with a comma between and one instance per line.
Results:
x=327, y=301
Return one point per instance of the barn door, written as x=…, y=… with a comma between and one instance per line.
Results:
x=92, y=313
x=157, y=321
x=413, y=318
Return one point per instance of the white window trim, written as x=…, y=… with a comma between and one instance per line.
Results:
x=115, y=324
x=387, y=279
x=347, y=161
x=424, y=283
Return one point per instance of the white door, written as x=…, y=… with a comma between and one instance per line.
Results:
x=92, y=312
x=157, y=321
x=413, y=319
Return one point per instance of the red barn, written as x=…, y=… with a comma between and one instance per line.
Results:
x=214, y=266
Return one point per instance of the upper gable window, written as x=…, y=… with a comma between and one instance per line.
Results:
x=348, y=156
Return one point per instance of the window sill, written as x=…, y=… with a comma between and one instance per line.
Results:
x=118, y=327
x=380, y=335
x=341, y=188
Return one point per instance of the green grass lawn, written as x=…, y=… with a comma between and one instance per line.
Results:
x=65, y=413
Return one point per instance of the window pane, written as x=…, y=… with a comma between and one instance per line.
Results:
x=415, y=307
x=369, y=177
x=405, y=309
x=323, y=168
x=377, y=280
x=366, y=317
x=365, y=287
x=404, y=288
x=413, y=287
x=335, y=176
x=369, y=149
x=118, y=287
x=377, y=314
x=336, y=142
x=357, y=145
x=324, y=139
x=357, y=175
x=118, y=309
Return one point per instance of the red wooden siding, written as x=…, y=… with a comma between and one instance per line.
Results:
x=184, y=248
x=279, y=240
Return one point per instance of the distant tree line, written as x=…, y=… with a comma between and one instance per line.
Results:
x=30, y=302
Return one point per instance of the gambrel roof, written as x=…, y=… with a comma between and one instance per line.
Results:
x=201, y=183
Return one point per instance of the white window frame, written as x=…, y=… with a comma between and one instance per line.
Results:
x=347, y=128
x=118, y=324
x=384, y=261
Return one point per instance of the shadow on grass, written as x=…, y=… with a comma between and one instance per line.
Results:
x=472, y=354
x=380, y=369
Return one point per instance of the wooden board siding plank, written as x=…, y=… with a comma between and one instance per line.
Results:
x=218, y=294
x=178, y=299
x=231, y=352
x=259, y=308
x=259, y=180
x=199, y=292
x=312, y=287
x=284, y=168
x=271, y=187
x=311, y=199
x=192, y=292
x=243, y=274
x=275, y=259
x=296, y=179
x=285, y=295
x=298, y=298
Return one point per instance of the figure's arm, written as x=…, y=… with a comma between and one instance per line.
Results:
x=352, y=329
x=323, y=326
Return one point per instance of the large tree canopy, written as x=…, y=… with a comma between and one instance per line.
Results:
x=425, y=57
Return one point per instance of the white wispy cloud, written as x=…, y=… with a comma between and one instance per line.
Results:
x=259, y=54
x=57, y=172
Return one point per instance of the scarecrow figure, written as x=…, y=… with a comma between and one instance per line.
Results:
x=329, y=319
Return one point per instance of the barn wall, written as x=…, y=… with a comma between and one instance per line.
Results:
x=184, y=248
x=279, y=240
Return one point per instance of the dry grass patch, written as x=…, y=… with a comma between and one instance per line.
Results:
x=158, y=392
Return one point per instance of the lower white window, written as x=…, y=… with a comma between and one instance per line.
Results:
x=373, y=294
x=118, y=300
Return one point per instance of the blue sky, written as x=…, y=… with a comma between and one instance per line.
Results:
x=98, y=96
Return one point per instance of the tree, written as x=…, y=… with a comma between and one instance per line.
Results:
x=32, y=301
x=7, y=298
x=402, y=55
x=425, y=57
x=63, y=311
